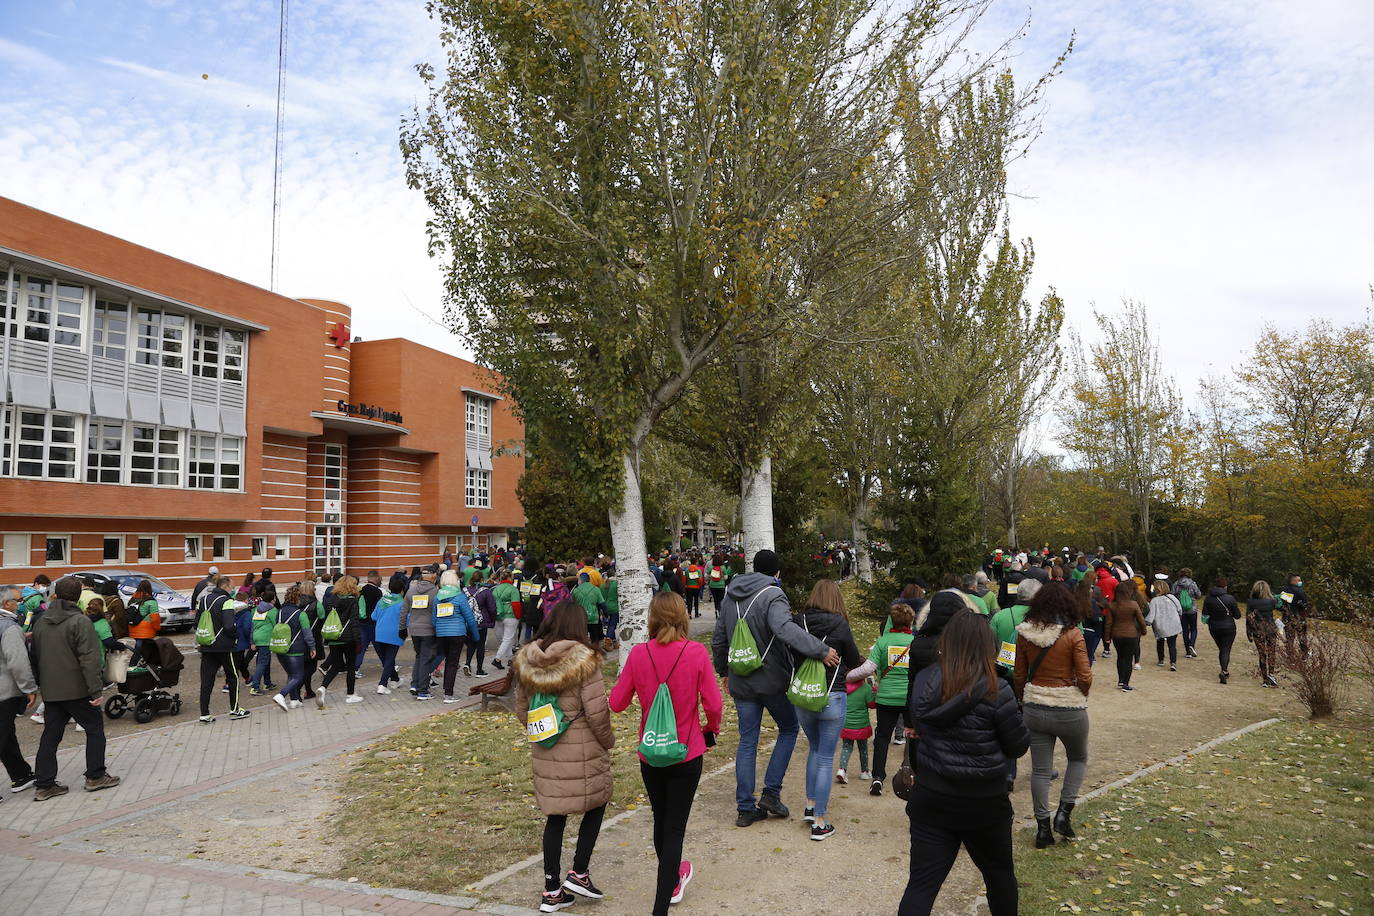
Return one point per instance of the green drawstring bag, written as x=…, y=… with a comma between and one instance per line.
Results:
x=545, y=723
x=333, y=626
x=809, y=689
x=743, y=657
x=659, y=744
x=281, y=636
x=205, y=625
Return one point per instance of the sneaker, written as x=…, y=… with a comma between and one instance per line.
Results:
x=821, y=831
x=497, y=664
x=37, y=717
x=101, y=782
x=809, y=815
x=481, y=673
x=1173, y=667
x=268, y=688
x=281, y=702
x=382, y=689
x=81, y=728
x=433, y=682
x=899, y=739
x=876, y=788
x=19, y=785
x=773, y=805
x=319, y=698
x=1137, y=666
x=353, y=698
x=43, y=793
x=684, y=874
x=865, y=776
x=1127, y=687
x=424, y=696
x=1160, y=663
x=395, y=682
x=1106, y=653
x=582, y=885
x=748, y=818
x=558, y=900
x=467, y=671
x=450, y=698
x=842, y=777
x=414, y=692
x=254, y=691
x=206, y=720
x=296, y=704
x=240, y=713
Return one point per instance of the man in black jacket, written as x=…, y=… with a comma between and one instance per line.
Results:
x=210, y=576
x=218, y=653
x=1296, y=610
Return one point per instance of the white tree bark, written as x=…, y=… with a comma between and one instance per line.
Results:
x=858, y=533
x=636, y=584
x=677, y=533
x=756, y=509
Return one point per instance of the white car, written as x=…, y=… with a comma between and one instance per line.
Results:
x=174, y=606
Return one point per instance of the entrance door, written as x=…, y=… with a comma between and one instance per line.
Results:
x=329, y=549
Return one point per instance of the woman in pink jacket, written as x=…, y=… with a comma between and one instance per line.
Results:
x=685, y=666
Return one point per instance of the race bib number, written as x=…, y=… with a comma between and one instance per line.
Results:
x=1007, y=655
x=419, y=602
x=529, y=589
x=444, y=610
x=541, y=723
x=1286, y=597
x=259, y=615
x=1012, y=587
x=899, y=657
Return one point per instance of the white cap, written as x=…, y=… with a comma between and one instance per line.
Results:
x=214, y=569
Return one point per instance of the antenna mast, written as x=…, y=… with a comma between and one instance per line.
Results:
x=276, y=153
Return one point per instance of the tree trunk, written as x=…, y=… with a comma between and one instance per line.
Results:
x=756, y=509
x=858, y=533
x=636, y=585
x=701, y=532
x=677, y=533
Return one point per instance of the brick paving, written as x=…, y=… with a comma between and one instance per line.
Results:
x=164, y=766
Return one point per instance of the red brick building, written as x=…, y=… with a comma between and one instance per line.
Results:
x=162, y=417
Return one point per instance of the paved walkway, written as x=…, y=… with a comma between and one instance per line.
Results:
x=170, y=765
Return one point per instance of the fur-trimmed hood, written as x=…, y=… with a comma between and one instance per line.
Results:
x=563, y=665
x=1039, y=634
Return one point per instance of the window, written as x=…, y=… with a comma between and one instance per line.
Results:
x=51, y=310
x=114, y=548
x=219, y=547
x=110, y=330
x=6, y=433
x=333, y=472
x=218, y=353
x=9, y=299
x=214, y=461
x=104, y=451
x=478, y=418
x=193, y=547
x=47, y=445
x=160, y=338
x=58, y=549
x=16, y=550
x=282, y=547
x=259, y=549
x=478, y=489
x=147, y=548
x=155, y=455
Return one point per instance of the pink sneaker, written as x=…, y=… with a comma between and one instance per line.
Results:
x=684, y=874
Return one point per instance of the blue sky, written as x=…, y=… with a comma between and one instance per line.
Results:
x=1208, y=157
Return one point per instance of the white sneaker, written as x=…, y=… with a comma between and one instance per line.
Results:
x=842, y=777
x=296, y=704
x=37, y=717
x=1137, y=666
x=319, y=698
x=281, y=702
x=354, y=699
x=450, y=699
x=383, y=690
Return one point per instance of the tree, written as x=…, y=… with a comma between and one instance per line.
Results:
x=561, y=520
x=614, y=185
x=1122, y=409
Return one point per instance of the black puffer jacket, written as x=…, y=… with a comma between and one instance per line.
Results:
x=943, y=606
x=963, y=745
x=1221, y=609
x=833, y=630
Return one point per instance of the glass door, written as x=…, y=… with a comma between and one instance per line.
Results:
x=329, y=549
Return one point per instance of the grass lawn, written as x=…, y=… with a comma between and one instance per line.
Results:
x=1278, y=821
x=450, y=800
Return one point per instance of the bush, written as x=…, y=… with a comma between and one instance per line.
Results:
x=877, y=596
x=1319, y=673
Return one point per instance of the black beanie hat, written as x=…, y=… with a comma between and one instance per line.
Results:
x=766, y=562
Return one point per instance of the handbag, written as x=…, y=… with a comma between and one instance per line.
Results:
x=116, y=666
x=904, y=780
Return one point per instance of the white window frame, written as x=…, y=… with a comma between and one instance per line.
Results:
x=477, y=416
x=6, y=427
x=138, y=542
x=228, y=548
x=192, y=548
x=47, y=445
x=9, y=302
x=160, y=477
x=230, y=353
x=477, y=491
x=101, y=332
x=195, y=477
x=164, y=348
x=50, y=330
x=118, y=561
x=5, y=549
x=67, y=550
x=257, y=547
x=281, y=547
x=333, y=452
x=120, y=454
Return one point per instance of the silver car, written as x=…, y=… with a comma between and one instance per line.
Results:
x=174, y=606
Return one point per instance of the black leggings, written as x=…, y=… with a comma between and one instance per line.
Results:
x=888, y=716
x=693, y=596
x=340, y=659
x=311, y=666
x=210, y=665
x=1173, y=648
x=940, y=824
x=1224, y=639
x=478, y=646
x=671, y=791
x=1127, y=651
x=451, y=651
x=587, y=833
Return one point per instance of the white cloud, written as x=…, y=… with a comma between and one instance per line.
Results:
x=27, y=58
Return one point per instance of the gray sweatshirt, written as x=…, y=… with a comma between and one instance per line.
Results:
x=763, y=605
x=419, y=620
x=16, y=674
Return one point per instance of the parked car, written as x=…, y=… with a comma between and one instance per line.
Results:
x=175, y=606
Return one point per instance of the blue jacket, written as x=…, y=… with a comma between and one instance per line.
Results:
x=243, y=625
x=387, y=615
x=453, y=615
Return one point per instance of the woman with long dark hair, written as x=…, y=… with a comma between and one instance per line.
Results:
x=969, y=728
x=1222, y=612
x=574, y=775
x=1087, y=604
x=1125, y=626
x=1052, y=678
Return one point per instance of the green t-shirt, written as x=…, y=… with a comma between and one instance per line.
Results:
x=892, y=654
x=611, y=592
x=102, y=633
x=470, y=573
x=856, y=707
x=1004, y=624
x=589, y=596
x=505, y=594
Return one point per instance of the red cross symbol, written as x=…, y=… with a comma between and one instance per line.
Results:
x=339, y=335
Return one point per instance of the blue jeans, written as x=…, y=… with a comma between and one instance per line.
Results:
x=822, y=733
x=262, y=673
x=750, y=713
x=1093, y=637
x=295, y=675
x=387, y=653
x=1189, y=621
x=367, y=632
x=425, y=662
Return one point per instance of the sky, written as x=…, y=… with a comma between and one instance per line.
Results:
x=1210, y=158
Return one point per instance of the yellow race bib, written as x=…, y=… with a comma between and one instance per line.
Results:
x=444, y=610
x=1007, y=655
x=1012, y=587
x=899, y=657
x=541, y=723
x=419, y=602
x=259, y=615
x=1286, y=597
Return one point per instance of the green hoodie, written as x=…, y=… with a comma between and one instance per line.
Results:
x=505, y=594
x=66, y=653
x=1004, y=624
x=611, y=592
x=264, y=618
x=589, y=596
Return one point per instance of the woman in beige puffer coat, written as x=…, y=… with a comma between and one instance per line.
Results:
x=574, y=775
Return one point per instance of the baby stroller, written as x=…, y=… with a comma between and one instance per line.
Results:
x=145, y=687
